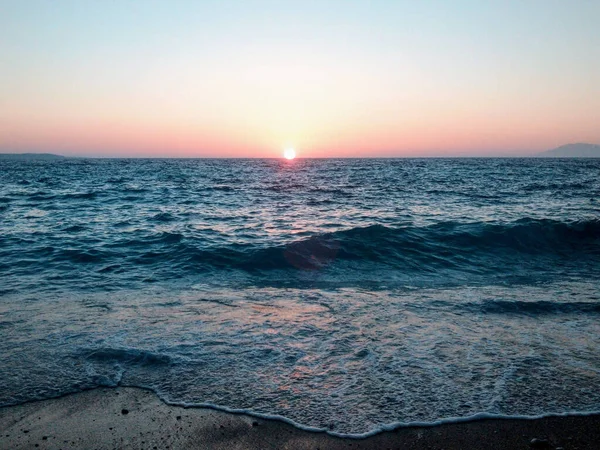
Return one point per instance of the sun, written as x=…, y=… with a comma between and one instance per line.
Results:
x=289, y=153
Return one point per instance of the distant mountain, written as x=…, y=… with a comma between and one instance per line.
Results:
x=573, y=151
x=21, y=156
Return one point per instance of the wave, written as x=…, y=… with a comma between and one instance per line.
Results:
x=75, y=229
x=447, y=244
x=468, y=248
x=79, y=196
x=444, y=245
x=556, y=186
x=130, y=356
x=163, y=217
x=533, y=308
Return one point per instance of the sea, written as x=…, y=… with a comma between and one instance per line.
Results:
x=348, y=295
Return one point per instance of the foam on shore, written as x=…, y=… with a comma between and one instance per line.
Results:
x=383, y=428
x=136, y=418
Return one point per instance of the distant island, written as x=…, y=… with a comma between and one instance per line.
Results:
x=44, y=156
x=579, y=150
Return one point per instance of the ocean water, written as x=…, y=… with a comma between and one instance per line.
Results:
x=348, y=295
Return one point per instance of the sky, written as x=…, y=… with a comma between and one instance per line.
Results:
x=330, y=78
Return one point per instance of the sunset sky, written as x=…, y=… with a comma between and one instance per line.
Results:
x=329, y=78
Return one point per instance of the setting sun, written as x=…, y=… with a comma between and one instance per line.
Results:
x=289, y=153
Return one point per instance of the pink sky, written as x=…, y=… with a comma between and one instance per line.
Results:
x=391, y=79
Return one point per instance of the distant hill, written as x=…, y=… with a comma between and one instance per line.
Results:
x=573, y=151
x=21, y=156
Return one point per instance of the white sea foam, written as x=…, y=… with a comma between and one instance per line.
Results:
x=382, y=427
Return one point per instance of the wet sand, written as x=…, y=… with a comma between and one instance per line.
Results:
x=137, y=419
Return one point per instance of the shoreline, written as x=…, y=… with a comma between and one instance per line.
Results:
x=125, y=417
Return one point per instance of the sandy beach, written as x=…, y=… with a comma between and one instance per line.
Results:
x=136, y=418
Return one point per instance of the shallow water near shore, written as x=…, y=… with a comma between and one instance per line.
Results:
x=340, y=294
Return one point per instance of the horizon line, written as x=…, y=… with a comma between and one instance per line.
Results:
x=530, y=156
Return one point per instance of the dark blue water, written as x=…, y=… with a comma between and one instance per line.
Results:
x=337, y=293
